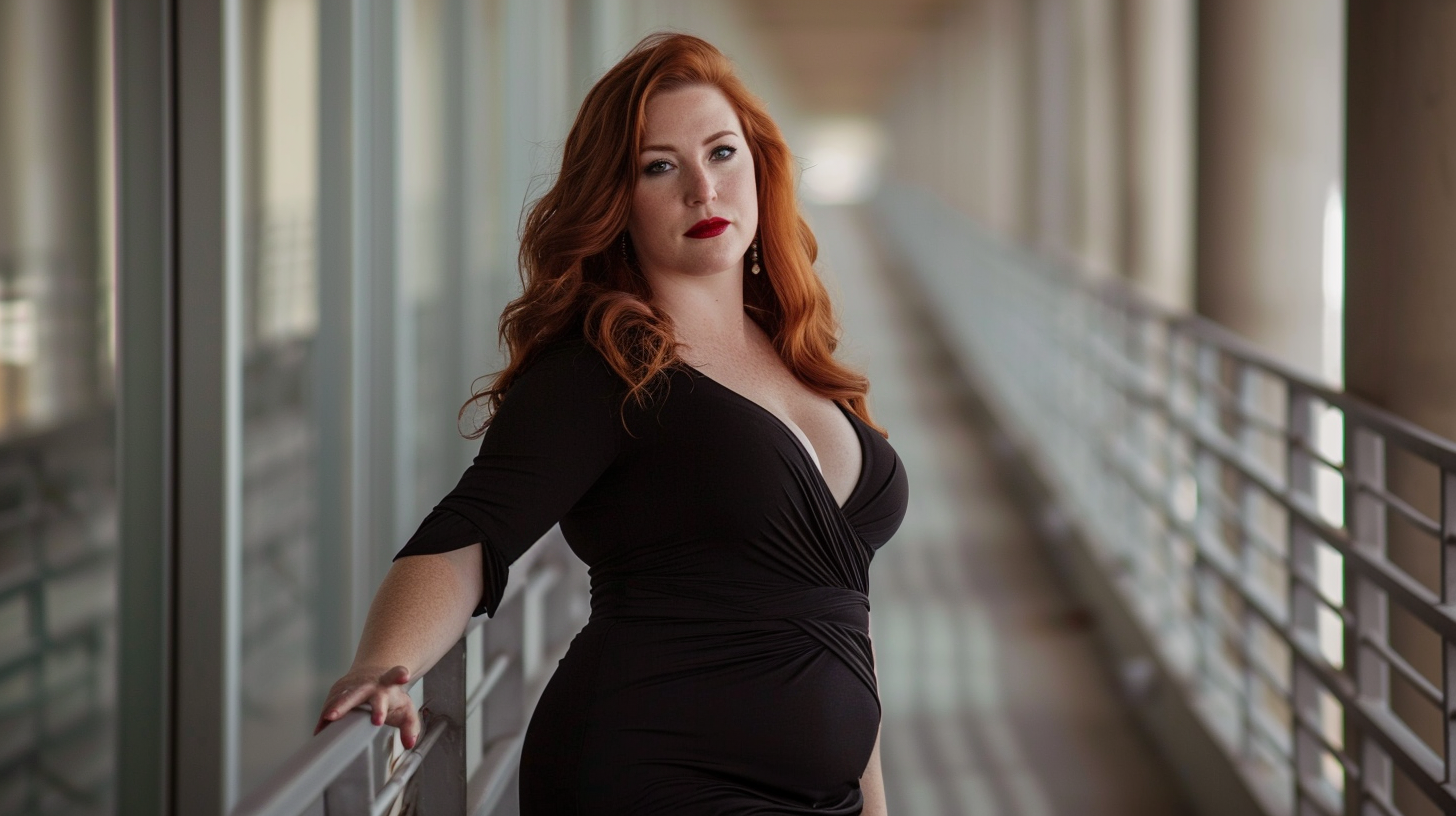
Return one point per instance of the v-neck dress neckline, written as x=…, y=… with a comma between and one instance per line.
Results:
x=864, y=463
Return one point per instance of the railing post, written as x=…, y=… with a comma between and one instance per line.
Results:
x=1371, y=673
x=1245, y=441
x=1303, y=604
x=1448, y=596
x=1208, y=476
x=442, y=777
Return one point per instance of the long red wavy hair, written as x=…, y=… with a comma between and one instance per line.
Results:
x=574, y=260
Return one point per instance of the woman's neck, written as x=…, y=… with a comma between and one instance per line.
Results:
x=706, y=312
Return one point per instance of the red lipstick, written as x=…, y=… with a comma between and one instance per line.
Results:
x=708, y=228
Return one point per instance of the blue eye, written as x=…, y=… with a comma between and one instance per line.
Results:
x=659, y=166
x=722, y=152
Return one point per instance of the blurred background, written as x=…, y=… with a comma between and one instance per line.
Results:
x=252, y=255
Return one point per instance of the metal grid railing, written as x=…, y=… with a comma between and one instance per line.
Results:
x=1285, y=545
x=476, y=701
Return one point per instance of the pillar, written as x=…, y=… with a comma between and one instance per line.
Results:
x=967, y=132
x=1054, y=187
x=1006, y=46
x=1400, y=257
x=1097, y=154
x=1076, y=102
x=1268, y=158
x=1157, y=78
x=962, y=172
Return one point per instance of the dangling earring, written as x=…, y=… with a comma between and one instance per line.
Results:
x=754, y=259
x=623, y=243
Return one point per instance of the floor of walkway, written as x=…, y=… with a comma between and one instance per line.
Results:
x=994, y=701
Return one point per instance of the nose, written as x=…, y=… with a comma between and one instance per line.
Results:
x=699, y=186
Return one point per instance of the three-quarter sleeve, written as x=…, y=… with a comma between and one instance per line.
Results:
x=556, y=430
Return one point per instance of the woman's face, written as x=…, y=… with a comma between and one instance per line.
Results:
x=695, y=209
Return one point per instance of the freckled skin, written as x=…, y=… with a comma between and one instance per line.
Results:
x=706, y=171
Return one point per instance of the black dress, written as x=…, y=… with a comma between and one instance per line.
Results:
x=726, y=666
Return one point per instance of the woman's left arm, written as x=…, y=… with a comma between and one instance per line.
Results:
x=872, y=782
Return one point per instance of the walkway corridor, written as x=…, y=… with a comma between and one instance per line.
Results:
x=994, y=702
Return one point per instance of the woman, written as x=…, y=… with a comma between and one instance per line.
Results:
x=672, y=400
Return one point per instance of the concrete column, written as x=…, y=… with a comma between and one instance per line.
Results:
x=12, y=374
x=1401, y=276
x=933, y=98
x=900, y=163
x=50, y=265
x=1157, y=81
x=1097, y=154
x=967, y=123
x=1401, y=233
x=1077, y=177
x=1269, y=125
x=1000, y=43
x=1052, y=91
x=962, y=159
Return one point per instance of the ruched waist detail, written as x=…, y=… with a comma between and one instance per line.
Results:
x=835, y=619
x=667, y=599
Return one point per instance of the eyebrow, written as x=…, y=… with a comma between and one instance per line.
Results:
x=670, y=149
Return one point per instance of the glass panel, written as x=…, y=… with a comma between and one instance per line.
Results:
x=283, y=646
x=429, y=248
x=449, y=156
x=492, y=269
x=57, y=451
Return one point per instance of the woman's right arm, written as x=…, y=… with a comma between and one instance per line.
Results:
x=419, y=612
x=556, y=431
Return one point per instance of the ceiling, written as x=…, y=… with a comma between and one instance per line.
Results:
x=841, y=57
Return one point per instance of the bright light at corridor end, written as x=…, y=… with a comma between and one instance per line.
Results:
x=843, y=157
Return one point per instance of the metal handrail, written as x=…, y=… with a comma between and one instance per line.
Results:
x=344, y=766
x=1162, y=435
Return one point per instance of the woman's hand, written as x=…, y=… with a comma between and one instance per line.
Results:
x=385, y=691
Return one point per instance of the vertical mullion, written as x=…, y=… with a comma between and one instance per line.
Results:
x=363, y=554
x=396, y=295
x=610, y=27
x=335, y=420
x=145, y=322
x=523, y=98
x=209, y=405
x=385, y=293
x=481, y=185
x=457, y=212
